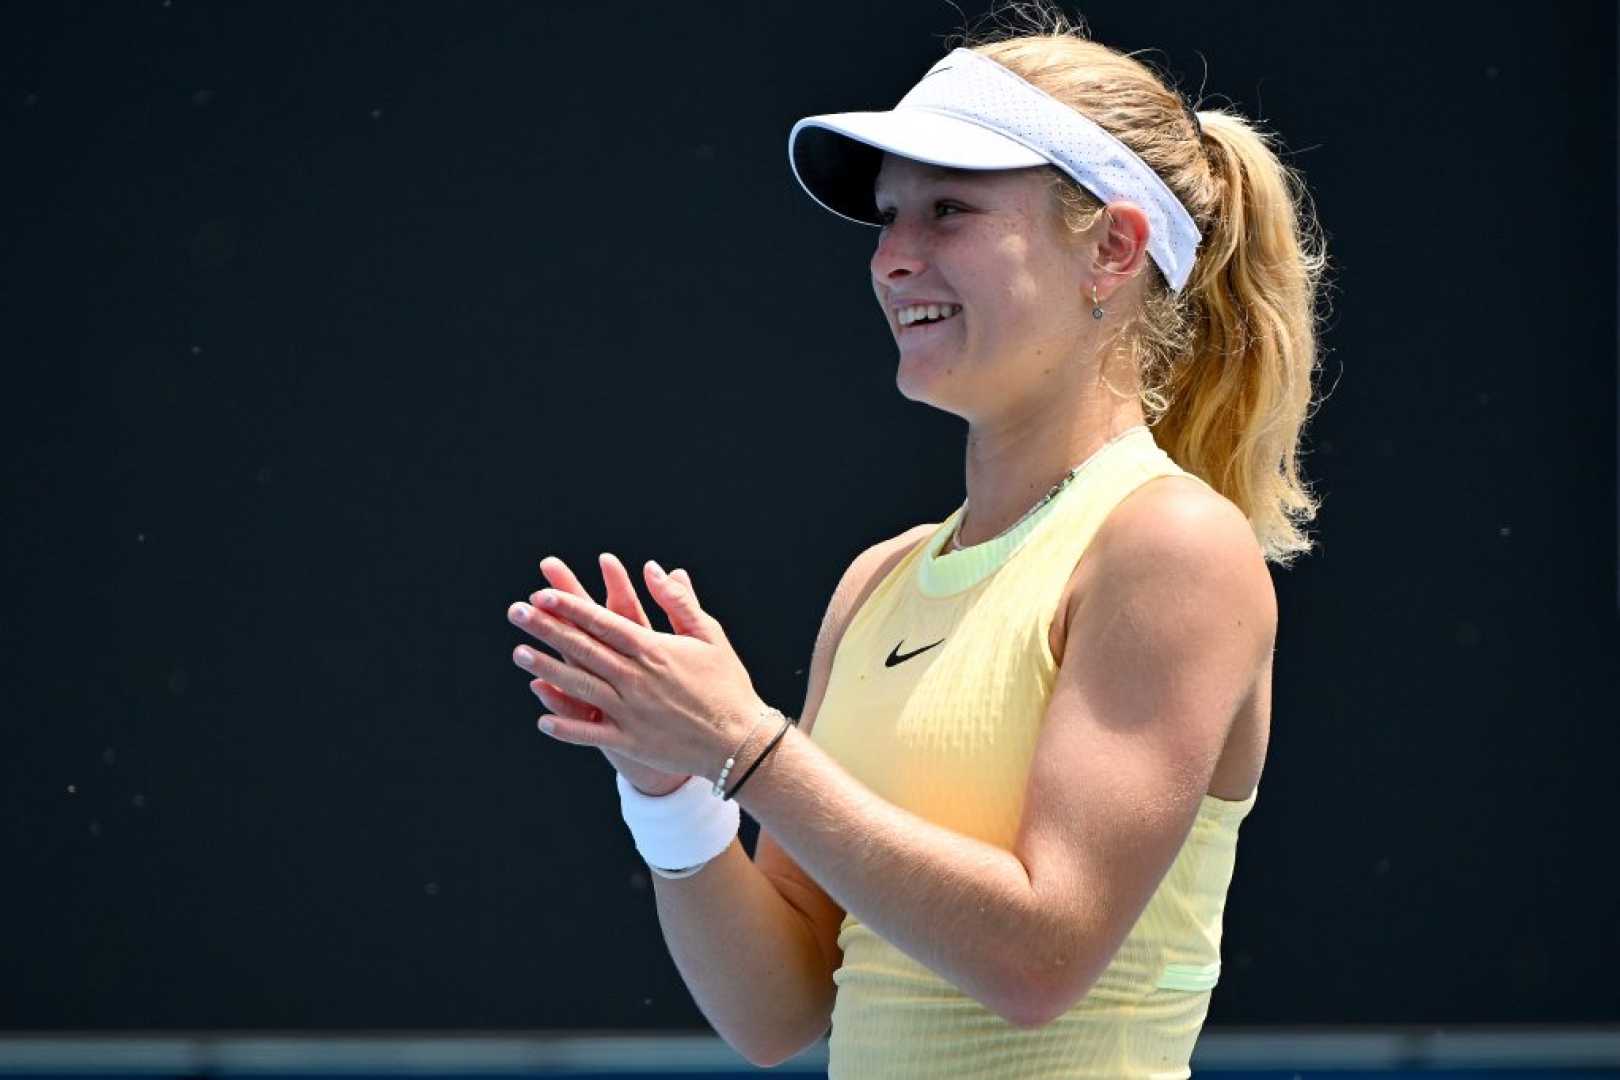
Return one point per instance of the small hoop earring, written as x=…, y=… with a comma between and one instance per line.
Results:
x=1096, y=308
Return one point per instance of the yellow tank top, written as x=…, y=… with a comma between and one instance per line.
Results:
x=935, y=700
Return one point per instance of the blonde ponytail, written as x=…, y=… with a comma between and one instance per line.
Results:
x=1237, y=401
x=1227, y=367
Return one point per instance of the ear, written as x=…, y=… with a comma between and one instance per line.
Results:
x=1122, y=246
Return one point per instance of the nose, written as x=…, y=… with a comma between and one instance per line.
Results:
x=898, y=255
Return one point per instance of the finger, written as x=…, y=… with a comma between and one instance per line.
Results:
x=603, y=736
x=621, y=591
x=557, y=573
x=575, y=680
x=574, y=648
x=686, y=579
x=621, y=594
x=592, y=627
x=552, y=697
x=587, y=671
x=679, y=603
x=678, y=623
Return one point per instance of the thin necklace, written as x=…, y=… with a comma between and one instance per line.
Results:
x=1057, y=487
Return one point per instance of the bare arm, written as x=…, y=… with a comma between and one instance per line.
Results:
x=756, y=942
x=749, y=958
x=1172, y=640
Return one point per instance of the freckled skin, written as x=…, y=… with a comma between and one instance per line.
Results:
x=1000, y=251
x=1022, y=361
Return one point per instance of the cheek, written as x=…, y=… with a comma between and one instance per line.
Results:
x=1012, y=289
x=1014, y=270
x=1023, y=303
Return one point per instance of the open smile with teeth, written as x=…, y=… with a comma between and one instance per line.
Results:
x=926, y=313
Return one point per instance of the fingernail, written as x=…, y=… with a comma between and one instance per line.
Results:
x=657, y=571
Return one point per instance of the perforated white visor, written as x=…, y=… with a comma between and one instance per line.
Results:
x=838, y=173
x=969, y=112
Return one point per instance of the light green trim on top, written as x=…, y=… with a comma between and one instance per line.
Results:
x=1190, y=976
x=943, y=575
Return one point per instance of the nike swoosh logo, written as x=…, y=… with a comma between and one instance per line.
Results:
x=895, y=657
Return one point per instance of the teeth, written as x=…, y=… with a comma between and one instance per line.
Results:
x=908, y=315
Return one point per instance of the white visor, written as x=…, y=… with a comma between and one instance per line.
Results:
x=969, y=112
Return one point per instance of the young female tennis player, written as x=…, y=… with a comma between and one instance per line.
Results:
x=997, y=842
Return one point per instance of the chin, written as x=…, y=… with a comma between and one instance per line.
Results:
x=926, y=383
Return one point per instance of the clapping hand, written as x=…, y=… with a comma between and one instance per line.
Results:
x=661, y=707
x=623, y=599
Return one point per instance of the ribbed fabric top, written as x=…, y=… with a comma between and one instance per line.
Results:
x=935, y=701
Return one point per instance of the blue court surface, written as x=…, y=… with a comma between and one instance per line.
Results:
x=1222, y=1054
x=785, y=1071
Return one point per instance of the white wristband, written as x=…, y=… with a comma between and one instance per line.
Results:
x=683, y=829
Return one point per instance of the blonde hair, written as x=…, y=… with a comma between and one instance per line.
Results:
x=1227, y=366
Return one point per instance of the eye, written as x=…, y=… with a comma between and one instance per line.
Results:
x=886, y=216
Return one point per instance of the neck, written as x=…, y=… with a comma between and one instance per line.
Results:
x=1012, y=463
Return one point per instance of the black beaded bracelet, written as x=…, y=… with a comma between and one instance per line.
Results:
x=772, y=746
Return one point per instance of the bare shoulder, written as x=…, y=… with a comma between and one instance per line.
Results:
x=1180, y=511
x=1177, y=530
x=1177, y=570
x=862, y=575
x=882, y=556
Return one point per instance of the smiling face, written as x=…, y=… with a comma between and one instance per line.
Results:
x=992, y=246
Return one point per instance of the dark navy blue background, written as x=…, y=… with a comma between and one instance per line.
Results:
x=324, y=324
